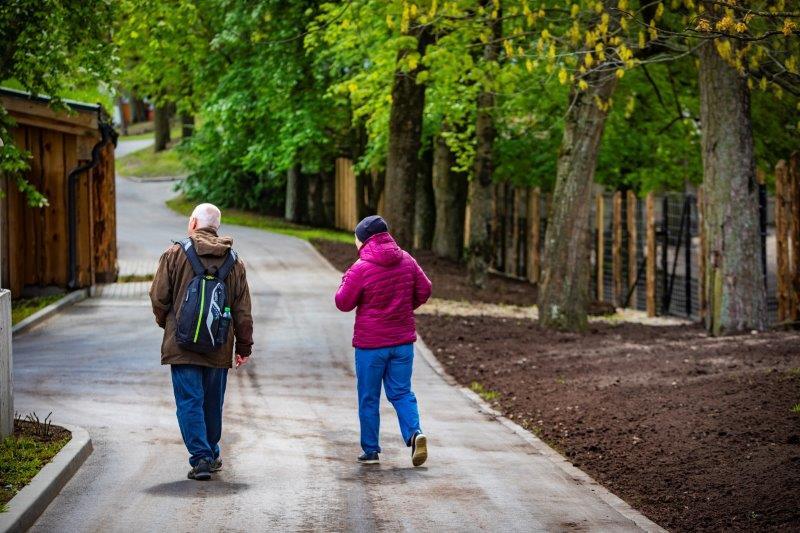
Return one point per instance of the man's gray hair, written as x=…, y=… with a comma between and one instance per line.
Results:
x=207, y=215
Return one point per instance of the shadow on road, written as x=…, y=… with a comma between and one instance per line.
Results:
x=375, y=475
x=189, y=489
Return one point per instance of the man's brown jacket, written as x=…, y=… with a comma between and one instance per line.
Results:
x=174, y=274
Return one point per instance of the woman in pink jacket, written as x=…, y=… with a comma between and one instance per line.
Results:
x=384, y=286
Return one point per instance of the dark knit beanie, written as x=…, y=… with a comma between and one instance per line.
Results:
x=372, y=225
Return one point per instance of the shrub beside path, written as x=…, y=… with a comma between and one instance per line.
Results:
x=291, y=429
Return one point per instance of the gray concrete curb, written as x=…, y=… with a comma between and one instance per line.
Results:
x=47, y=312
x=580, y=477
x=33, y=499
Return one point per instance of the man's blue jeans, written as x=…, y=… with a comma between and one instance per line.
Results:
x=391, y=366
x=199, y=393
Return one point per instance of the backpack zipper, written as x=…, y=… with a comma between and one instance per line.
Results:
x=202, y=307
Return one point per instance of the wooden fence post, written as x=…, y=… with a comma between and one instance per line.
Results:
x=783, y=213
x=616, y=249
x=650, y=269
x=701, y=263
x=6, y=381
x=794, y=258
x=534, y=196
x=601, y=244
x=632, y=263
x=512, y=217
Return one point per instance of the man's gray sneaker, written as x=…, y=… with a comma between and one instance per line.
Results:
x=216, y=465
x=369, y=458
x=201, y=471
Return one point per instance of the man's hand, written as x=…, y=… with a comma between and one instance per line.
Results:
x=240, y=361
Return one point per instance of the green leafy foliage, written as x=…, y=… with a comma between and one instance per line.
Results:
x=300, y=83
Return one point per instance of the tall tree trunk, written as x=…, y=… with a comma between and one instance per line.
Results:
x=295, y=194
x=479, y=248
x=450, y=192
x=405, y=131
x=370, y=187
x=161, y=124
x=425, y=208
x=564, y=289
x=328, y=197
x=187, y=125
x=735, y=289
x=315, y=208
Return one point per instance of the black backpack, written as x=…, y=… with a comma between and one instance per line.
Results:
x=204, y=316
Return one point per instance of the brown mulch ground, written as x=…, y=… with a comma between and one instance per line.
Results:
x=449, y=278
x=696, y=432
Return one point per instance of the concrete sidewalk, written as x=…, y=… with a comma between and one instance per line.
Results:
x=291, y=428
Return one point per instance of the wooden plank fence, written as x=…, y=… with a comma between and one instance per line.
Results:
x=787, y=233
x=346, y=205
x=35, y=241
x=633, y=237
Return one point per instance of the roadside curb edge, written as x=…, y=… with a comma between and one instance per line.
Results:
x=29, y=503
x=579, y=476
x=46, y=312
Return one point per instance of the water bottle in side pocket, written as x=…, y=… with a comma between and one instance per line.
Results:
x=224, y=325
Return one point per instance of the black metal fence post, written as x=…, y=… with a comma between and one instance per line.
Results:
x=762, y=223
x=664, y=260
x=688, y=254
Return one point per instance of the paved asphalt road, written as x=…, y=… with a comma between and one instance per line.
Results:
x=290, y=436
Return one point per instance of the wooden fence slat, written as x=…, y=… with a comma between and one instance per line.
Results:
x=533, y=215
x=55, y=238
x=17, y=228
x=701, y=263
x=105, y=238
x=4, y=252
x=632, y=263
x=512, y=230
x=650, y=269
x=34, y=216
x=794, y=241
x=782, y=214
x=600, y=223
x=616, y=258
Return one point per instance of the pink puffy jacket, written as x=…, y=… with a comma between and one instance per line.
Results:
x=386, y=284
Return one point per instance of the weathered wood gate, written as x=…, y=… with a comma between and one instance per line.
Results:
x=36, y=240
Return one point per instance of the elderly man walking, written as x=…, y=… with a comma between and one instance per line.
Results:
x=199, y=291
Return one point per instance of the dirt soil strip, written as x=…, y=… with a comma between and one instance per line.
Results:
x=696, y=432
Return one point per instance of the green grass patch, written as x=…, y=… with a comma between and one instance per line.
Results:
x=146, y=163
x=796, y=409
x=137, y=137
x=793, y=373
x=132, y=278
x=237, y=217
x=144, y=130
x=25, y=307
x=22, y=455
x=488, y=395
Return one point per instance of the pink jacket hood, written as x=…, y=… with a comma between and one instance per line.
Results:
x=381, y=250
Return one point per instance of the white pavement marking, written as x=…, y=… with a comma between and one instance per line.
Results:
x=290, y=438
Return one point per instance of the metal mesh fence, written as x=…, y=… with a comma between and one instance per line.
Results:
x=677, y=257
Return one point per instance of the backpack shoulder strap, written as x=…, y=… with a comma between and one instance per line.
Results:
x=191, y=255
x=227, y=265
